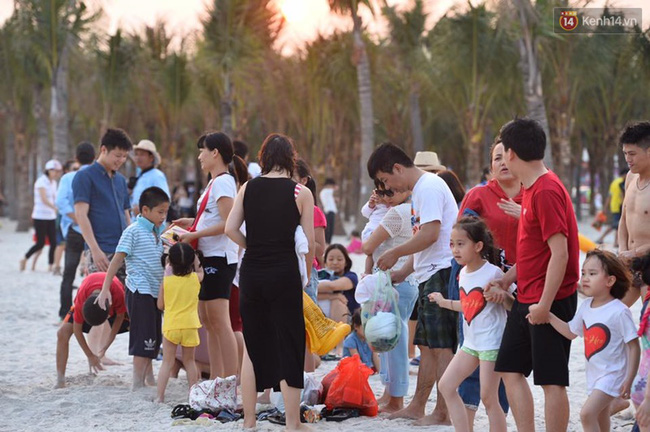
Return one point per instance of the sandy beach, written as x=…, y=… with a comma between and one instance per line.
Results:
x=29, y=402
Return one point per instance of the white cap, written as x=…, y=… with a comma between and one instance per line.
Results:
x=53, y=164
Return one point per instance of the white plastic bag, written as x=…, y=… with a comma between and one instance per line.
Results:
x=310, y=394
x=380, y=315
x=215, y=395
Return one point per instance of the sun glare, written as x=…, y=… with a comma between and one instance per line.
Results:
x=294, y=10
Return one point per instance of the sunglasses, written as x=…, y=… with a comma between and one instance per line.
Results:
x=387, y=193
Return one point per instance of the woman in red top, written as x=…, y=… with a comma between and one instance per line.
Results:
x=498, y=203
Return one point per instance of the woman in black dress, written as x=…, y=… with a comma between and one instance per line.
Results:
x=272, y=206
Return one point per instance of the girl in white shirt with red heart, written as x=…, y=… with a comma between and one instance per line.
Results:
x=611, y=341
x=484, y=319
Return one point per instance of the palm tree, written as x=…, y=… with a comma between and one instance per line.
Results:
x=531, y=70
x=473, y=68
x=407, y=34
x=236, y=33
x=364, y=84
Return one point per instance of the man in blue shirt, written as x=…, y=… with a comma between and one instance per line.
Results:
x=74, y=241
x=147, y=159
x=101, y=200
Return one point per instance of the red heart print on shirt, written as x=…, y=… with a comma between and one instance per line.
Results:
x=473, y=303
x=596, y=338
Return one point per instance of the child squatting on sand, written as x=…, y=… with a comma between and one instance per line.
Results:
x=179, y=299
x=610, y=337
x=484, y=314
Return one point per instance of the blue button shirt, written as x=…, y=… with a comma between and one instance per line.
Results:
x=153, y=177
x=352, y=341
x=107, y=197
x=65, y=202
x=143, y=248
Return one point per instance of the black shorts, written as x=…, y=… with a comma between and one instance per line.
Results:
x=217, y=278
x=537, y=348
x=436, y=327
x=69, y=318
x=145, y=336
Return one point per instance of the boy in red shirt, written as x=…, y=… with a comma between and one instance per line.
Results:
x=547, y=273
x=85, y=314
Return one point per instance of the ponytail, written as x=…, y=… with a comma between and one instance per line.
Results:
x=237, y=167
x=477, y=231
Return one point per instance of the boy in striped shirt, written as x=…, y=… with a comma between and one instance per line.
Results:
x=141, y=249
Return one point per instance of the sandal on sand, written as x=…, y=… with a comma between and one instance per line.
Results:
x=277, y=418
x=182, y=411
x=340, y=414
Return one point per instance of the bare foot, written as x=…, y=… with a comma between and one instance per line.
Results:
x=109, y=362
x=264, y=398
x=433, y=419
x=384, y=399
x=59, y=384
x=23, y=264
x=250, y=426
x=618, y=405
x=390, y=407
x=408, y=412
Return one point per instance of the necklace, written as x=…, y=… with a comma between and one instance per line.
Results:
x=638, y=184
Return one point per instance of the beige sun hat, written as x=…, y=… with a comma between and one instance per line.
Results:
x=149, y=146
x=428, y=161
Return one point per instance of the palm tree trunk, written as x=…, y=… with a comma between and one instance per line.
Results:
x=59, y=106
x=416, y=121
x=226, y=107
x=367, y=115
x=532, y=74
x=10, y=182
x=43, y=148
x=23, y=190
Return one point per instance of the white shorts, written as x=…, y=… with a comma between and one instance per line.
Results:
x=609, y=384
x=326, y=306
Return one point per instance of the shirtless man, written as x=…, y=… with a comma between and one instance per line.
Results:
x=633, y=233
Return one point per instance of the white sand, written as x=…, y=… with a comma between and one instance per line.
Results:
x=28, y=402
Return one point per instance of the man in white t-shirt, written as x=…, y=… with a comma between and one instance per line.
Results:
x=328, y=202
x=241, y=150
x=434, y=212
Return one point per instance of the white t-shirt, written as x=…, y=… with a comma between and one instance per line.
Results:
x=254, y=169
x=219, y=245
x=483, y=321
x=605, y=329
x=41, y=211
x=327, y=200
x=432, y=201
x=397, y=222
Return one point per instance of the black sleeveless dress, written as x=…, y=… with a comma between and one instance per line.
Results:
x=270, y=299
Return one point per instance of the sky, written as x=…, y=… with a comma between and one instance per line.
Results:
x=305, y=18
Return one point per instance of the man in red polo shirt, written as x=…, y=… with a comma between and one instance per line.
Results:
x=547, y=273
x=83, y=315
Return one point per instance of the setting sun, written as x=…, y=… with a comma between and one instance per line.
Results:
x=294, y=10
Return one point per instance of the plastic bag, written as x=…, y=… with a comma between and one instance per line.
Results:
x=215, y=395
x=309, y=395
x=350, y=388
x=380, y=315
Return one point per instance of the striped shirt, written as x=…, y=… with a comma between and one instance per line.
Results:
x=141, y=243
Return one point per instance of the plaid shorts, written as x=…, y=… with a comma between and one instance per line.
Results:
x=92, y=268
x=436, y=327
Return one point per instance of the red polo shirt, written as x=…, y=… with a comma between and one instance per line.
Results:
x=546, y=210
